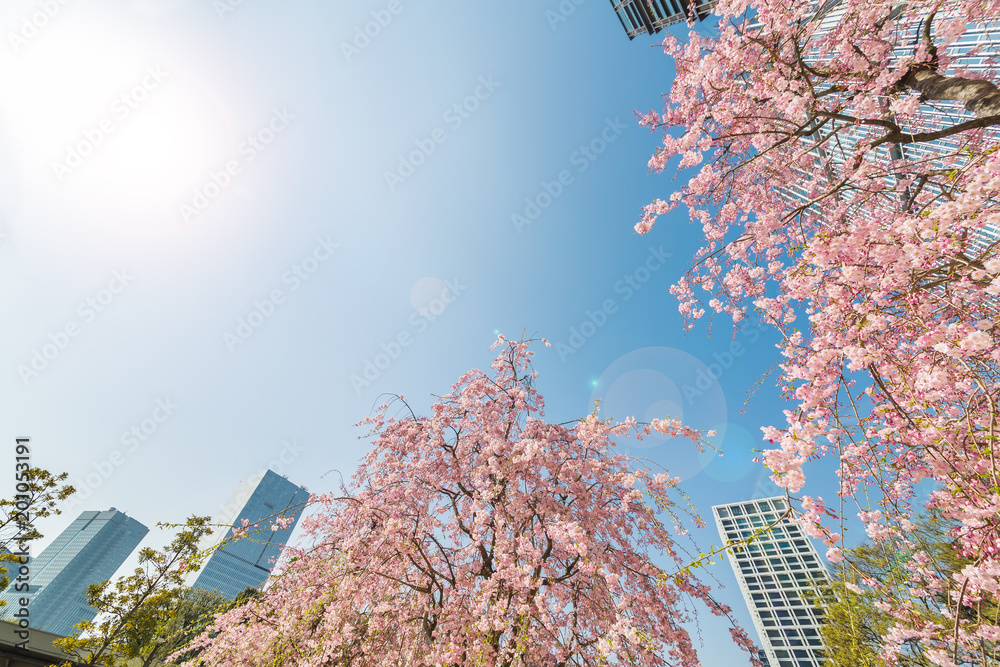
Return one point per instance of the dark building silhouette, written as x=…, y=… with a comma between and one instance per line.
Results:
x=651, y=16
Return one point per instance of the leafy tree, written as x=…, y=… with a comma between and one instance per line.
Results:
x=853, y=630
x=244, y=596
x=849, y=179
x=481, y=535
x=134, y=611
x=187, y=616
x=194, y=611
x=147, y=617
x=876, y=577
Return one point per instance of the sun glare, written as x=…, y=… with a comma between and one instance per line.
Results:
x=118, y=134
x=148, y=148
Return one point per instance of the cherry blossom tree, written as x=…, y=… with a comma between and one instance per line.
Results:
x=482, y=535
x=848, y=191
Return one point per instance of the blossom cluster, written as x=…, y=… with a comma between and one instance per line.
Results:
x=482, y=534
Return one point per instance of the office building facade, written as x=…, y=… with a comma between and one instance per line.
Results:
x=647, y=17
x=237, y=564
x=972, y=54
x=88, y=552
x=777, y=573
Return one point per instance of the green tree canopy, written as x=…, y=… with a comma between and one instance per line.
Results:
x=875, y=579
x=139, y=610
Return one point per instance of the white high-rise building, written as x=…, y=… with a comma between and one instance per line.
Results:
x=247, y=562
x=776, y=572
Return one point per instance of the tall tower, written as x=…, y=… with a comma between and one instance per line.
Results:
x=87, y=552
x=775, y=572
x=247, y=562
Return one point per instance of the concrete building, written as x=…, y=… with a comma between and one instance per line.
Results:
x=30, y=648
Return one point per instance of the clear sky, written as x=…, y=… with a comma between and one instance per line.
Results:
x=231, y=223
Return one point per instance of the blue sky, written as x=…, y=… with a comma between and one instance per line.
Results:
x=232, y=223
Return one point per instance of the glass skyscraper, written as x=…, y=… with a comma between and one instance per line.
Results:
x=247, y=562
x=776, y=572
x=88, y=552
